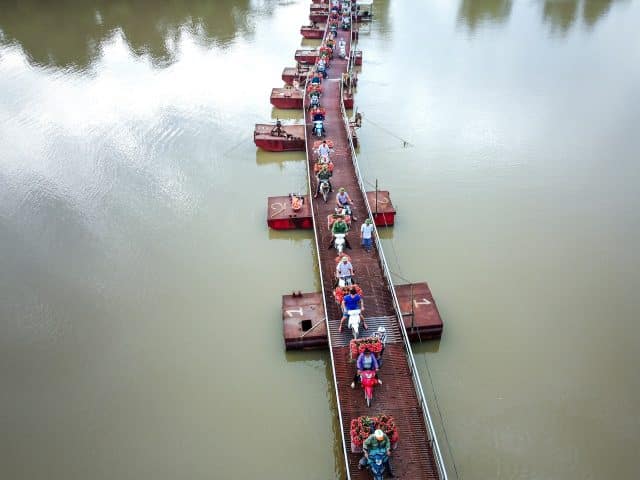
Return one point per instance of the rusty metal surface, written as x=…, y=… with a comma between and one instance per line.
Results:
x=380, y=202
x=397, y=396
x=419, y=310
x=279, y=208
x=303, y=321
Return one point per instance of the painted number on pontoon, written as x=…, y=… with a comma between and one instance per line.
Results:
x=291, y=312
x=423, y=302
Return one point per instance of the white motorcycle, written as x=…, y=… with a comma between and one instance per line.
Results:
x=342, y=49
x=345, y=281
x=324, y=191
x=339, y=241
x=354, y=322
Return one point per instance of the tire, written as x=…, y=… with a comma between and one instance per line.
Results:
x=368, y=401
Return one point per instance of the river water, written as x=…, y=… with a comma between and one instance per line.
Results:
x=140, y=331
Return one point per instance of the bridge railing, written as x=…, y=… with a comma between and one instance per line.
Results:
x=433, y=439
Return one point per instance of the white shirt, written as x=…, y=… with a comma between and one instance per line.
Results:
x=366, y=230
x=344, y=269
x=323, y=150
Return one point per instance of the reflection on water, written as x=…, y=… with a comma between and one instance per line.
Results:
x=74, y=35
x=475, y=13
x=560, y=14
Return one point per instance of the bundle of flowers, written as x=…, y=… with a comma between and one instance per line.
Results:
x=359, y=345
x=324, y=50
x=364, y=426
x=361, y=428
x=317, y=143
x=387, y=424
x=340, y=292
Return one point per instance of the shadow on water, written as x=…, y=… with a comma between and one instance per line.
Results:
x=294, y=236
x=267, y=158
x=323, y=356
x=72, y=33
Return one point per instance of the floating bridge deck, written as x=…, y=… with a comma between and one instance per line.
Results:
x=418, y=455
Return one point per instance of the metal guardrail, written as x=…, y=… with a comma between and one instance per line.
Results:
x=324, y=300
x=433, y=439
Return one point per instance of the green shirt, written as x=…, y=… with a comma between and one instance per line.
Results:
x=324, y=175
x=372, y=443
x=339, y=226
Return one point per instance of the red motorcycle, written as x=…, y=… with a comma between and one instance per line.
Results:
x=368, y=380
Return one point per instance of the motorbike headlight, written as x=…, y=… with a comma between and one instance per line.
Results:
x=378, y=461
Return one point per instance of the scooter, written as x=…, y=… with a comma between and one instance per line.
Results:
x=342, y=49
x=345, y=209
x=324, y=190
x=338, y=241
x=368, y=380
x=315, y=100
x=318, y=128
x=345, y=281
x=354, y=322
x=378, y=463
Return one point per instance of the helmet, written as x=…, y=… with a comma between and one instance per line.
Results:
x=379, y=434
x=381, y=329
x=367, y=221
x=344, y=259
x=341, y=189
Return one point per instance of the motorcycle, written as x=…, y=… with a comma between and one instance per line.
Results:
x=346, y=23
x=318, y=128
x=377, y=463
x=339, y=241
x=342, y=49
x=344, y=210
x=354, y=322
x=315, y=100
x=324, y=190
x=368, y=380
x=345, y=281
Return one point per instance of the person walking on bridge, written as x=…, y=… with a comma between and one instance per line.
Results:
x=366, y=234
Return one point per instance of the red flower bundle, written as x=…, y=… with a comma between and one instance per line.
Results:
x=362, y=427
x=340, y=292
x=357, y=346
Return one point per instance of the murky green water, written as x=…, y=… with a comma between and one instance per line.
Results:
x=140, y=330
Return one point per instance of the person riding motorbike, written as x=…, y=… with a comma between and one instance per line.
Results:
x=323, y=175
x=377, y=440
x=353, y=301
x=343, y=200
x=339, y=226
x=324, y=150
x=366, y=361
x=344, y=268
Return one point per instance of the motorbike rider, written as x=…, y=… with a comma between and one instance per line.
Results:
x=377, y=440
x=324, y=150
x=323, y=175
x=366, y=361
x=339, y=226
x=343, y=199
x=344, y=269
x=353, y=301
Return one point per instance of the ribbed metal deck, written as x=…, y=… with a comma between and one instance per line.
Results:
x=414, y=458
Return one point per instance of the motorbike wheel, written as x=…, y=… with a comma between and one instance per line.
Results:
x=368, y=399
x=355, y=333
x=325, y=193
